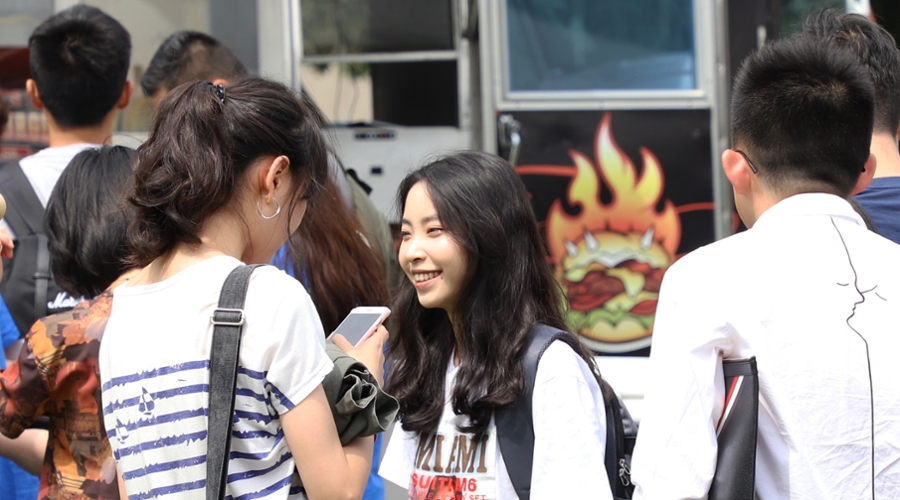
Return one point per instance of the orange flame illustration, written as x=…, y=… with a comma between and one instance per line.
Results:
x=610, y=258
x=633, y=207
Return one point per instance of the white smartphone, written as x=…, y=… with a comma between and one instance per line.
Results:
x=362, y=323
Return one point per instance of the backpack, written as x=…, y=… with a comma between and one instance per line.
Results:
x=515, y=427
x=28, y=288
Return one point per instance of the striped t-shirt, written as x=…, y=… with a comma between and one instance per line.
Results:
x=154, y=363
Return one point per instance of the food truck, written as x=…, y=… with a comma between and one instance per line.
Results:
x=614, y=114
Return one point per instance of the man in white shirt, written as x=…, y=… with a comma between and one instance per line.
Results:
x=79, y=63
x=807, y=290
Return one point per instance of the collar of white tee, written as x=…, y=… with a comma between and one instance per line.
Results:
x=57, y=152
x=810, y=204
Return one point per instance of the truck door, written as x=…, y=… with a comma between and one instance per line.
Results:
x=612, y=113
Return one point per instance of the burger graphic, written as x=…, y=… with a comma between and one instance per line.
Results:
x=612, y=284
x=610, y=257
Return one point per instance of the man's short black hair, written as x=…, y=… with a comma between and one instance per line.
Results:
x=802, y=109
x=187, y=56
x=875, y=48
x=79, y=60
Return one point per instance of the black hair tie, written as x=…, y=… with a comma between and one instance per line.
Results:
x=220, y=91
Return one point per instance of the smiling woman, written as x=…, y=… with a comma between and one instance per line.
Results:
x=478, y=282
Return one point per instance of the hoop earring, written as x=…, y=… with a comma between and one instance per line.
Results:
x=269, y=217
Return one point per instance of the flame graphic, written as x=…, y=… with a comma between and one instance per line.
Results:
x=614, y=253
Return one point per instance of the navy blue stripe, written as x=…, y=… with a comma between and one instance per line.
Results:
x=163, y=419
x=170, y=393
x=238, y=476
x=280, y=395
x=167, y=490
x=250, y=394
x=261, y=455
x=165, y=370
x=256, y=417
x=296, y=490
x=162, y=443
x=252, y=434
x=252, y=373
x=267, y=491
x=177, y=464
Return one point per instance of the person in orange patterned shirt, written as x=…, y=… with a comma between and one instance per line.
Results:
x=57, y=374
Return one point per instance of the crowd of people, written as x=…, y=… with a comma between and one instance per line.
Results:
x=107, y=393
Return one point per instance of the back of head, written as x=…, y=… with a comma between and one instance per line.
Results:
x=875, y=48
x=85, y=222
x=79, y=60
x=203, y=138
x=802, y=110
x=187, y=56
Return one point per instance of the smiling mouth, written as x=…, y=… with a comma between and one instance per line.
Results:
x=423, y=277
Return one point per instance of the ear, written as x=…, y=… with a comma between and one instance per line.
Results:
x=125, y=98
x=33, y=94
x=865, y=178
x=273, y=175
x=737, y=170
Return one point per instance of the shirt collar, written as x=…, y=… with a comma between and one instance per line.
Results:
x=806, y=204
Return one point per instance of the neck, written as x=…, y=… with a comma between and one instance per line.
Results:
x=97, y=134
x=220, y=235
x=887, y=156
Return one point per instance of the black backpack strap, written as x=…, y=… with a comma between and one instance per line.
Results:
x=515, y=422
x=228, y=320
x=25, y=213
x=42, y=276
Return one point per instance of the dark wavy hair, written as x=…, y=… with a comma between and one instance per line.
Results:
x=85, y=222
x=79, y=61
x=342, y=271
x=508, y=287
x=202, y=140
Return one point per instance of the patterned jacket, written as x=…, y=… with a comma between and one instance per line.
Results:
x=57, y=375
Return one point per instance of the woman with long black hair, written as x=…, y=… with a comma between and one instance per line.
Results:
x=478, y=282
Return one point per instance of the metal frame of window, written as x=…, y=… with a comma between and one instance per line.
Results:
x=459, y=53
x=712, y=92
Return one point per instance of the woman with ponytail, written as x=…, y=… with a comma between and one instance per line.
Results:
x=225, y=177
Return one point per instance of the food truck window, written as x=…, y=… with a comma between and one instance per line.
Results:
x=365, y=26
x=581, y=45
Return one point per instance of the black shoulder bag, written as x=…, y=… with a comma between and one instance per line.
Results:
x=736, y=433
x=228, y=321
x=515, y=427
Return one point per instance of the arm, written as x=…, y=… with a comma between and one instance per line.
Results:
x=27, y=450
x=569, y=429
x=328, y=470
x=675, y=455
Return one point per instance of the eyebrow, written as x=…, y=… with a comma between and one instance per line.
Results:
x=425, y=220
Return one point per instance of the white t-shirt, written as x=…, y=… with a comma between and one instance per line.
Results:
x=569, y=443
x=154, y=363
x=43, y=169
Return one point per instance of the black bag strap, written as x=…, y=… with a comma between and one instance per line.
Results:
x=25, y=213
x=515, y=426
x=515, y=422
x=41, y=276
x=228, y=321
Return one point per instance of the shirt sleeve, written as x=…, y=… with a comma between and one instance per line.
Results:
x=293, y=334
x=675, y=454
x=569, y=429
x=23, y=390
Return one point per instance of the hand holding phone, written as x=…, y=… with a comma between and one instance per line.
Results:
x=361, y=323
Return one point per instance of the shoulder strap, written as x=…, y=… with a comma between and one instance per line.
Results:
x=515, y=423
x=228, y=320
x=25, y=213
x=41, y=276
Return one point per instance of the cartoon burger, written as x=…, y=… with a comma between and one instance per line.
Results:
x=612, y=280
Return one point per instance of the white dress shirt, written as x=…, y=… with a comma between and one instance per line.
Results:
x=816, y=298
